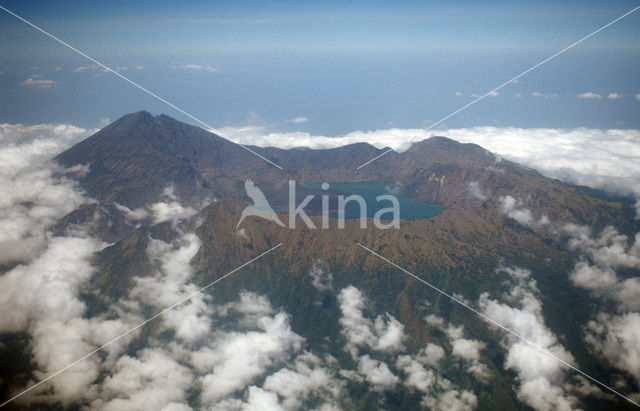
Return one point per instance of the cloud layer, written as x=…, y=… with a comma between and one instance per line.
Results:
x=543, y=382
x=32, y=193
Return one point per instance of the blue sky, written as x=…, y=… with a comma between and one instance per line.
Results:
x=343, y=66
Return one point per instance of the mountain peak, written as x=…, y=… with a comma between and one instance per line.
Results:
x=132, y=160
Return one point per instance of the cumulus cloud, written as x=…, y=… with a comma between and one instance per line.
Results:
x=171, y=209
x=601, y=256
x=589, y=95
x=377, y=373
x=220, y=362
x=418, y=376
x=33, y=82
x=151, y=380
x=637, y=96
x=421, y=378
x=383, y=334
x=133, y=215
x=469, y=351
x=452, y=400
x=170, y=283
x=305, y=379
x=513, y=208
x=614, y=335
x=321, y=278
x=617, y=337
x=464, y=349
x=33, y=193
x=41, y=298
x=372, y=342
x=237, y=358
x=475, y=190
x=542, y=378
x=614, y=96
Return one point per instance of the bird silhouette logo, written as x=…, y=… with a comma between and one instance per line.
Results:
x=260, y=206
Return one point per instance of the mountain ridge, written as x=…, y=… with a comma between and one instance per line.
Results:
x=498, y=216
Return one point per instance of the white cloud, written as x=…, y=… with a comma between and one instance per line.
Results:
x=383, y=338
x=196, y=67
x=38, y=83
x=170, y=283
x=493, y=94
x=97, y=67
x=509, y=206
x=237, y=358
x=514, y=209
x=458, y=93
x=606, y=159
x=601, y=256
x=305, y=379
x=422, y=379
x=452, y=400
x=614, y=96
x=33, y=194
x=548, y=96
x=637, y=96
x=384, y=334
x=430, y=355
x=617, y=337
x=151, y=380
x=469, y=351
x=377, y=373
x=133, y=215
x=475, y=190
x=299, y=120
x=321, y=278
x=589, y=95
x=541, y=377
x=171, y=209
x=80, y=69
x=466, y=350
x=260, y=400
x=104, y=121
x=418, y=377
x=41, y=298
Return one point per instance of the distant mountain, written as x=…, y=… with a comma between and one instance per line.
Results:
x=133, y=160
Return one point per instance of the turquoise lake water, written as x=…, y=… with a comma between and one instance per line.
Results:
x=409, y=209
